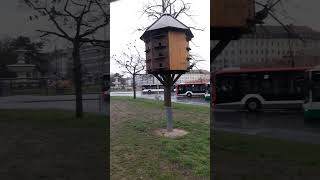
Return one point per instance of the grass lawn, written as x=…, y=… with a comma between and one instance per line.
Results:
x=245, y=157
x=136, y=153
x=52, y=144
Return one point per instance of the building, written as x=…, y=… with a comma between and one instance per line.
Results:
x=268, y=44
x=191, y=76
x=195, y=76
x=60, y=63
x=94, y=60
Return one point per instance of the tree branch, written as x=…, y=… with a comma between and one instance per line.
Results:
x=46, y=33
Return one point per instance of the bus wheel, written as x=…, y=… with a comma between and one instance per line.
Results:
x=189, y=95
x=253, y=105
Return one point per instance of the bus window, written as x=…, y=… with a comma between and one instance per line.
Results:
x=316, y=87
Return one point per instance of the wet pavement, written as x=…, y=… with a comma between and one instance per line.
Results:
x=285, y=124
x=185, y=100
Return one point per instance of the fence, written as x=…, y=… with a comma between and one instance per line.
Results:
x=43, y=86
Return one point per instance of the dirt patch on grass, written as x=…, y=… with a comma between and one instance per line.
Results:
x=175, y=133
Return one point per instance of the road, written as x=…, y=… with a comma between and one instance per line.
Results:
x=283, y=124
x=286, y=124
x=174, y=98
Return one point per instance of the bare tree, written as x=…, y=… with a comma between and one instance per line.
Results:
x=77, y=21
x=133, y=63
x=176, y=8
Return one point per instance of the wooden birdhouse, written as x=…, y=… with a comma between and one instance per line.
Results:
x=231, y=16
x=167, y=45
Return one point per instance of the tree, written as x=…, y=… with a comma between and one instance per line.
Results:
x=78, y=22
x=133, y=63
x=176, y=8
x=9, y=56
x=120, y=77
x=33, y=55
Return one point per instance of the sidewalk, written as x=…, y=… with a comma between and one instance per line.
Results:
x=34, y=98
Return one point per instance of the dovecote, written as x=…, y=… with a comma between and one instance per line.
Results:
x=167, y=45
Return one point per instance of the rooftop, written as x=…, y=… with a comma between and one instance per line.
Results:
x=167, y=21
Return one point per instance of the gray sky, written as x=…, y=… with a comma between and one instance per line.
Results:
x=14, y=19
x=126, y=18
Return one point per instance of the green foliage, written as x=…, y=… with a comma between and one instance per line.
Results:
x=9, y=56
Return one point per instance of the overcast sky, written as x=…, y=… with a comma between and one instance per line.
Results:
x=126, y=18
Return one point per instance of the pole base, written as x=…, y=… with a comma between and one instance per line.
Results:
x=175, y=133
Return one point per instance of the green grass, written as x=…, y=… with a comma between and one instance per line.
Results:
x=52, y=144
x=253, y=157
x=137, y=152
x=53, y=117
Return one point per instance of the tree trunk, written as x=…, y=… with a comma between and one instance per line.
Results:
x=168, y=108
x=77, y=78
x=134, y=86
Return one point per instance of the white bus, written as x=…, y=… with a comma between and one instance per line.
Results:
x=311, y=105
x=192, y=89
x=254, y=89
x=152, y=88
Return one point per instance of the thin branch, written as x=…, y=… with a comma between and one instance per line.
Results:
x=67, y=11
x=46, y=33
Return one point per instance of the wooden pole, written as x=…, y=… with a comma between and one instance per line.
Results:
x=168, y=107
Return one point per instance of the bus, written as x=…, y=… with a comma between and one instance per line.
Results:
x=254, y=89
x=192, y=89
x=152, y=88
x=207, y=94
x=311, y=105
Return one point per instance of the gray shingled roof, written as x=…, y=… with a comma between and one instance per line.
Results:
x=167, y=21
